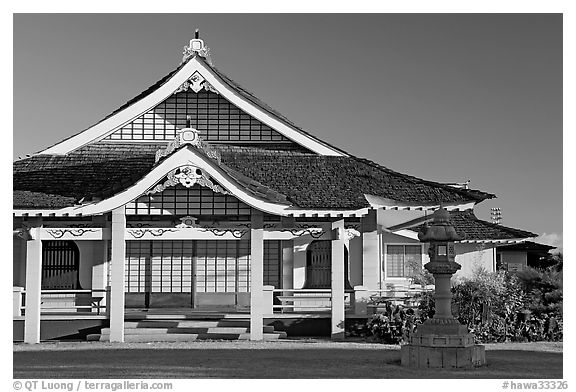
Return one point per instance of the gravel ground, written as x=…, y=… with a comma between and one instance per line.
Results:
x=288, y=359
x=287, y=344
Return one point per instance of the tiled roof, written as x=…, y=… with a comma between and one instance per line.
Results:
x=252, y=98
x=314, y=181
x=470, y=228
x=39, y=200
x=528, y=246
x=308, y=181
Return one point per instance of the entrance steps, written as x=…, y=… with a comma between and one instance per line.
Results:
x=162, y=328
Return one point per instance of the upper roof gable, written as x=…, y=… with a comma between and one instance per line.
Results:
x=211, y=79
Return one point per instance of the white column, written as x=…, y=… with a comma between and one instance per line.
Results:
x=370, y=251
x=338, y=315
x=256, y=275
x=100, y=264
x=116, y=304
x=288, y=257
x=33, y=287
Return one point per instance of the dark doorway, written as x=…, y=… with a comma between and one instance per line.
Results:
x=319, y=266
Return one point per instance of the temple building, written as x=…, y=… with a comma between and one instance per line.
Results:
x=195, y=196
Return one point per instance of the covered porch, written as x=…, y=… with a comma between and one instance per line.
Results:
x=318, y=266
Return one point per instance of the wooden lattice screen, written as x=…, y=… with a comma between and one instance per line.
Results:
x=222, y=266
x=60, y=265
x=217, y=120
x=182, y=201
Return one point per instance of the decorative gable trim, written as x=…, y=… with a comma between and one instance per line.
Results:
x=178, y=168
x=196, y=83
x=188, y=175
x=206, y=78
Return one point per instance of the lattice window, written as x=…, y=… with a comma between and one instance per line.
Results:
x=272, y=263
x=402, y=260
x=60, y=265
x=217, y=119
x=167, y=266
x=222, y=266
x=182, y=201
x=159, y=266
x=319, y=266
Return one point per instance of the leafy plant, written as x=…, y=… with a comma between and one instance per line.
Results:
x=496, y=307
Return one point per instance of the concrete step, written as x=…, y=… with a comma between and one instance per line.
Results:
x=156, y=331
x=187, y=323
x=194, y=316
x=192, y=324
x=267, y=336
x=184, y=337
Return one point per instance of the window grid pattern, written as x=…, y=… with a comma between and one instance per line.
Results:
x=222, y=266
x=401, y=260
x=183, y=201
x=159, y=266
x=216, y=118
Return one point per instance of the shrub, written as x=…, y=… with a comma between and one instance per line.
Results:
x=496, y=307
x=393, y=326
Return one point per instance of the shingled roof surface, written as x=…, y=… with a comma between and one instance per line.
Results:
x=39, y=200
x=308, y=181
x=470, y=228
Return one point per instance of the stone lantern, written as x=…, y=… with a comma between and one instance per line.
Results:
x=442, y=342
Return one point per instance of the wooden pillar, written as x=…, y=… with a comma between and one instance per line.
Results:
x=100, y=263
x=33, y=287
x=338, y=316
x=370, y=251
x=116, y=304
x=256, y=275
x=288, y=257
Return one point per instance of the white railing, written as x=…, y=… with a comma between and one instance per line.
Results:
x=63, y=301
x=360, y=301
x=407, y=296
x=301, y=300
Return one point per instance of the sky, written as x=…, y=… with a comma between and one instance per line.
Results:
x=444, y=97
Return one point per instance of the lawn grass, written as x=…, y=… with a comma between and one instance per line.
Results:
x=267, y=360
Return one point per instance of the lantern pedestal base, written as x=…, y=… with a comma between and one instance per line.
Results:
x=442, y=344
x=443, y=357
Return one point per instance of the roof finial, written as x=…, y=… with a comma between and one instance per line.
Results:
x=196, y=47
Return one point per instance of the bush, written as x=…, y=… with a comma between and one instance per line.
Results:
x=496, y=307
x=393, y=326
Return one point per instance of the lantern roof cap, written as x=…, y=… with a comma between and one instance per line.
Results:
x=440, y=230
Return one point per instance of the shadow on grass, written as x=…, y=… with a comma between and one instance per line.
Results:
x=289, y=363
